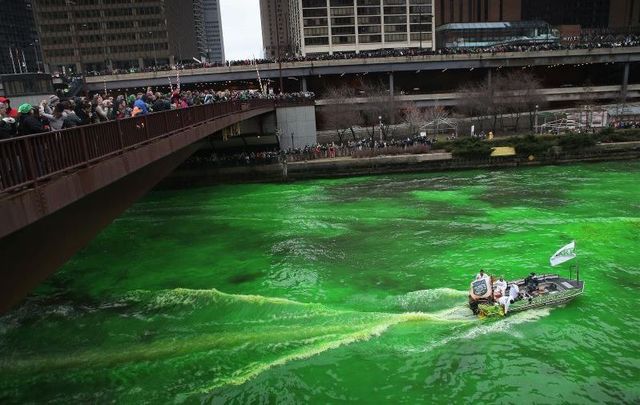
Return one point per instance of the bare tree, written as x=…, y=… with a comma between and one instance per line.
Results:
x=342, y=114
x=381, y=107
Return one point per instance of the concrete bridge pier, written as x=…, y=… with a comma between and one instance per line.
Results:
x=391, y=84
x=625, y=83
x=303, y=83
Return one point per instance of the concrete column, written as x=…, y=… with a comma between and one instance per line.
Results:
x=303, y=83
x=391, y=85
x=490, y=77
x=140, y=63
x=625, y=82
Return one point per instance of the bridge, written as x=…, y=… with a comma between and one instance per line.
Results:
x=59, y=189
x=300, y=72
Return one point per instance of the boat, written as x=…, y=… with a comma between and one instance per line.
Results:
x=534, y=291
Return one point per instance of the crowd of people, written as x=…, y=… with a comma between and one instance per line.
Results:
x=55, y=114
x=585, y=41
x=313, y=152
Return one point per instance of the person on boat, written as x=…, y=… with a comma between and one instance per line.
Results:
x=514, y=291
x=481, y=275
x=504, y=302
x=501, y=286
x=531, y=283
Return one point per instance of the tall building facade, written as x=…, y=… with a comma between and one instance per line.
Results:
x=214, y=40
x=20, y=46
x=81, y=35
x=471, y=11
x=328, y=26
x=276, y=27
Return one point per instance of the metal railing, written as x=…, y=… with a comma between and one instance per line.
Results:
x=27, y=160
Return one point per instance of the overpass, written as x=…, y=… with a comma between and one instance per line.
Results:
x=59, y=189
x=561, y=95
x=303, y=70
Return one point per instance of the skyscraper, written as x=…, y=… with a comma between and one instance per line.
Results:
x=214, y=40
x=20, y=47
x=276, y=19
x=95, y=35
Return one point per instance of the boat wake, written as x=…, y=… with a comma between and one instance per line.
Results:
x=243, y=335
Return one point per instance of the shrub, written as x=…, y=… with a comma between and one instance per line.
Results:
x=468, y=148
x=576, y=141
x=533, y=145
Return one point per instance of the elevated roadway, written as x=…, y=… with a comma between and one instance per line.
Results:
x=301, y=70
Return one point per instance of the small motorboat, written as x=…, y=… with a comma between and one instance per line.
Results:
x=534, y=291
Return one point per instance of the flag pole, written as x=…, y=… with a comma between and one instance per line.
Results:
x=577, y=263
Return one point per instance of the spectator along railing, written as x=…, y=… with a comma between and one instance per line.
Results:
x=27, y=160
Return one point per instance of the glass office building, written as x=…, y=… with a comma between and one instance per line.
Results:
x=474, y=35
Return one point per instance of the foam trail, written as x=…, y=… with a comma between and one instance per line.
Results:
x=502, y=325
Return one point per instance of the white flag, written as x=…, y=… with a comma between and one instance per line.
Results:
x=564, y=254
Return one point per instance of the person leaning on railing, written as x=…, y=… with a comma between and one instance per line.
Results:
x=28, y=123
x=8, y=125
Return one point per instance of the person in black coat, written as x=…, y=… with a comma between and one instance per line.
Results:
x=28, y=123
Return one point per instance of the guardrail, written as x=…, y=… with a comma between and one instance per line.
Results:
x=27, y=160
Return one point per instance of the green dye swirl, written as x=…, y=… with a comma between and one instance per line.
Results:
x=349, y=290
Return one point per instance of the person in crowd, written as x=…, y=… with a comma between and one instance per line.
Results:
x=56, y=117
x=28, y=123
x=9, y=112
x=101, y=110
x=141, y=105
x=8, y=128
x=71, y=119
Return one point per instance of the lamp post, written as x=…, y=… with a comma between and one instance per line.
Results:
x=381, y=127
x=535, y=125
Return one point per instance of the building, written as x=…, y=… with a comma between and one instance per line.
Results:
x=275, y=16
x=615, y=14
x=624, y=14
x=20, y=47
x=472, y=11
x=80, y=35
x=586, y=13
x=214, y=40
x=329, y=26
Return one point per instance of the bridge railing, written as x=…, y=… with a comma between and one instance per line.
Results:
x=27, y=160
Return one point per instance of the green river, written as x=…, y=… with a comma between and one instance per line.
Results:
x=349, y=290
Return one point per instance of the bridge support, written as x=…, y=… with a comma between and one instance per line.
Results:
x=303, y=83
x=490, y=78
x=625, y=83
x=391, y=85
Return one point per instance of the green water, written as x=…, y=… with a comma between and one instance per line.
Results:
x=341, y=290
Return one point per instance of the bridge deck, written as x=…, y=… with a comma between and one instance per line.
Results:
x=45, y=172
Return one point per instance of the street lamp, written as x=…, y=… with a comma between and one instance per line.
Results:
x=381, y=127
x=535, y=125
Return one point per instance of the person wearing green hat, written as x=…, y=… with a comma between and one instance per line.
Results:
x=27, y=122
